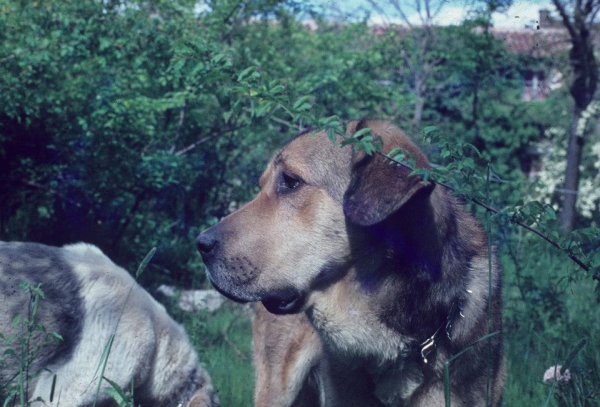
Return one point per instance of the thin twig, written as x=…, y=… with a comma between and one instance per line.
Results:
x=204, y=139
x=476, y=201
x=179, y=127
x=225, y=335
x=286, y=123
x=134, y=208
x=51, y=191
x=7, y=58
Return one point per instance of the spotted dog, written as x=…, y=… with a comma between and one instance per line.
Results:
x=87, y=299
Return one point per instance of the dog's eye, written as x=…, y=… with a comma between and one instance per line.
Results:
x=287, y=183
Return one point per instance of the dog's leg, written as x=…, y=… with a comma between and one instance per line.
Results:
x=286, y=350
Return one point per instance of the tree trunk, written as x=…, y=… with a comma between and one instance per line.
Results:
x=571, y=186
x=585, y=80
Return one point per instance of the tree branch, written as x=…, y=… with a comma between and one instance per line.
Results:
x=403, y=15
x=7, y=58
x=565, y=17
x=286, y=123
x=592, y=10
x=438, y=9
x=179, y=127
x=136, y=204
x=587, y=9
x=205, y=139
x=376, y=7
x=50, y=191
x=575, y=259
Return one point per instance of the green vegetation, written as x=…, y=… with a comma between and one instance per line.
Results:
x=22, y=349
x=224, y=344
x=137, y=124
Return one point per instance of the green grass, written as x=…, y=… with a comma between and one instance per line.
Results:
x=549, y=306
x=224, y=344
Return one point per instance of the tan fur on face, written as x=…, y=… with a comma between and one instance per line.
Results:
x=302, y=231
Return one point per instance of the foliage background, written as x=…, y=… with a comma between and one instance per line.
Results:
x=137, y=124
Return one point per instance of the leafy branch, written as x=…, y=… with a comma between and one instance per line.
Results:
x=555, y=244
x=364, y=140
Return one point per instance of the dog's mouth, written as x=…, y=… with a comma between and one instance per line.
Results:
x=285, y=301
x=288, y=301
x=232, y=296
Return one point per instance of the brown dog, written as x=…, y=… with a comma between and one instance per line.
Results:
x=386, y=278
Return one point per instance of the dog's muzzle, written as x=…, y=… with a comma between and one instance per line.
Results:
x=227, y=275
x=206, y=242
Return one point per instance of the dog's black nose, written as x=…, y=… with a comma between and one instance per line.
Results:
x=206, y=242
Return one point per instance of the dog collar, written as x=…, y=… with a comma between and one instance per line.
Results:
x=428, y=345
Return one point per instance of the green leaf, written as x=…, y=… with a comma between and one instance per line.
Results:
x=362, y=132
x=227, y=115
x=246, y=73
x=331, y=135
x=115, y=391
x=218, y=58
x=550, y=212
x=428, y=130
x=276, y=90
x=301, y=103
x=145, y=262
x=263, y=108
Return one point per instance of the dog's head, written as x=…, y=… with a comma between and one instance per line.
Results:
x=315, y=199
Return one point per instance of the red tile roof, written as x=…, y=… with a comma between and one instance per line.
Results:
x=535, y=43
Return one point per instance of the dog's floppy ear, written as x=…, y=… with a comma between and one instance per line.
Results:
x=379, y=188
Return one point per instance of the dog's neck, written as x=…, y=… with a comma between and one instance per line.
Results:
x=417, y=262
x=409, y=263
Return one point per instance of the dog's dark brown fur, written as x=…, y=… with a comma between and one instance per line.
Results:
x=385, y=278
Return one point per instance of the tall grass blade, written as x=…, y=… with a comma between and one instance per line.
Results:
x=102, y=364
x=453, y=358
x=52, y=388
x=469, y=347
x=550, y=394
x=145, y=262
x=21, y=387
x=490, y=287
x=117, y=393
x=447, y=383
x=572, y=355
